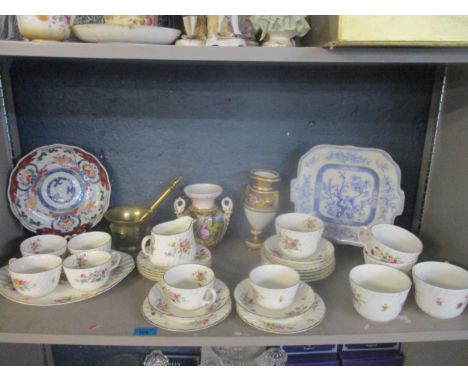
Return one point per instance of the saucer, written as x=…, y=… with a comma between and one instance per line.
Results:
x=244, y=295
x=152, y=272
x=324, y=254
x=64, y=293
x=171, y=323
x=298, y=324
x=158, y=300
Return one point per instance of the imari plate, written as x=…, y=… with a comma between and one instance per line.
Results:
x=59, y=189
x=246, y=297
x=348, y=188
x=64, y=293
x=171, y=323
x=297, y=324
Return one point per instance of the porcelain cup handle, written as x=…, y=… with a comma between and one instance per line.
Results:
x=115, y=259
x=12, y=260
x=211, y=294
x=179, y=207
x=364, y=235
x=144, y=242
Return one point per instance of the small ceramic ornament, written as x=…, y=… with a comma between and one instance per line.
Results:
x=195, y=31
x=279, y=31
x=224, y=31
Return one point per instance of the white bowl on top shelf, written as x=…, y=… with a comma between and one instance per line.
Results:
x=139, y=34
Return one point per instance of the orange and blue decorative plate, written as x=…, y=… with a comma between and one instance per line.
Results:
x=59, y=189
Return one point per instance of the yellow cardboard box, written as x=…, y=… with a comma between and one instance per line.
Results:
x=388, y=31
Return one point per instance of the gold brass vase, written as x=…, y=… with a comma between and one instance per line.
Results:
x=261, y=202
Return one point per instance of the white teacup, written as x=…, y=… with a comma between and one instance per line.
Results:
x=378, y=291
x=441, y=289
x=189, y=286
x=171, y=243
x=44, y=245
x=298, y=234
x=35, y=276
x=90, y=241
x=391, y=244
x=274, y=285
x=90, y=270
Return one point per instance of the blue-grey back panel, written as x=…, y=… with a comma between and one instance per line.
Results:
x=149, y=122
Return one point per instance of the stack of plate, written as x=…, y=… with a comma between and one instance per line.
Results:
x=316, y=267
x=159, y=311
x=306, y=311
x=152, y=272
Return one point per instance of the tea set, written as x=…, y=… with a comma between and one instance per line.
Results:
x=188, y=298
x=381, y=286
x=65, y=262
x=299, y=244
x=53, y=271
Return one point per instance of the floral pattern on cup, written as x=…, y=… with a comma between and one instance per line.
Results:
x=201, y=277
x=182, y=247
x=310, y=224
x=357, y=298
x=380, y=255
x=290, y=244
x=21, y=284
x=94, y=277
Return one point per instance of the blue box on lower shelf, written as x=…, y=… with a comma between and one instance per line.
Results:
x=313, y=359
x=311, y=349
x=381, y=360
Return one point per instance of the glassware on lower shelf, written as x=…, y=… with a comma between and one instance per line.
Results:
x=275, y=357
x=238, y=355
x=156, y=358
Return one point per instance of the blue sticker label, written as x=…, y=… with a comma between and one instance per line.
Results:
x=152, y=331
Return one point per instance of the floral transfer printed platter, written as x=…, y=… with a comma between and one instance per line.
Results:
x=59, y=189
x=348, y=188
x=171, y=323
x=160, y=301
x=298, y=324
x=64, y=293
x=245, y=296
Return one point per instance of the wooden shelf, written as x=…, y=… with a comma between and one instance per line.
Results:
x=148, y=52
x=110, y=319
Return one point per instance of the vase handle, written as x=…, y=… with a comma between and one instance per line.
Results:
x=227, y=206
x=179, y=207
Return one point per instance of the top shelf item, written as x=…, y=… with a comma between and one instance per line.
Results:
x=348, y=188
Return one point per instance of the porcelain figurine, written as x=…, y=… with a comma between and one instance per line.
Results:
x=224, y=31
x=279, y=31
x=195, y=31
x=261, y=202
x=211, y=221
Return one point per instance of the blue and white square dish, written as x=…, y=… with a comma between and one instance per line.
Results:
x=348, y=188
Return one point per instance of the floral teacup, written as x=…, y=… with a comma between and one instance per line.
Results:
x=35, y=276
x=87, y=271
x=90, y=241
x=274, y=286
x=298, y=234
x=391, y=244
x=44, y=245
x=378, y=291
x=189, y=286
